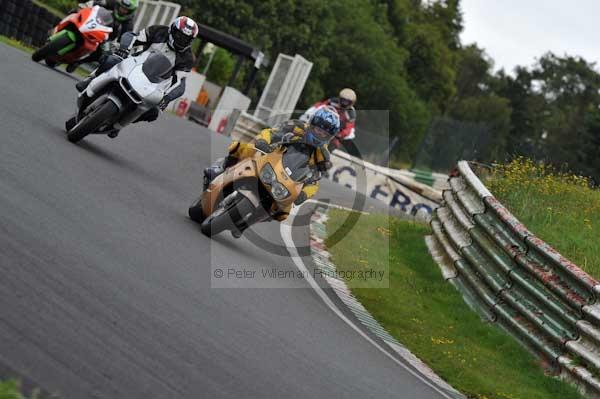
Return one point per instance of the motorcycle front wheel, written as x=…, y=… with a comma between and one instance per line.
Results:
x=227, y=217
x=195, y=211
x=51, y=49
x=92, y=121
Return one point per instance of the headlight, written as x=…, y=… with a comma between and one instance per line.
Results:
x=279, y=191
x=267, y=174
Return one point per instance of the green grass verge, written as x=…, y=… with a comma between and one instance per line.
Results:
x=428, y=315
x=15, y=43
x=366, y=263
x=10, y=390
x=559, y=208
x=28, y=49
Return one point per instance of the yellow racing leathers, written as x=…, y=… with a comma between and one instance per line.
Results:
x=320, y=159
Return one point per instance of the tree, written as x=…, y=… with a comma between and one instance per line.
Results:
x=473, y=72
x=477, y=102
x=447, y=17
x=369, y=60
x=555, y=105
x=591, y=160
x=405, y=56
x=430, y=66
x=220, y=68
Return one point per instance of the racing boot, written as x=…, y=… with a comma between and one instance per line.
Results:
x=70, y=68
x=113, y=133
x=83, y=84
x=215, y=170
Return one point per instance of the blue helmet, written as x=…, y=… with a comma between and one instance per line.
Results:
x=323, y=126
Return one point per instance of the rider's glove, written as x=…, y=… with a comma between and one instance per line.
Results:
x=301, y=198
x=121, y=52
x=263, y=146
x=324, y=166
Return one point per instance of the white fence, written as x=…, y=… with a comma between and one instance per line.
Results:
x=155, y=12
x=285, y=84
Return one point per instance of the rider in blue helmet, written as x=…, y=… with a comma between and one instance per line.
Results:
x=322, y=126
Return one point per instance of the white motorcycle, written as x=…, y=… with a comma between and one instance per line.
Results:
x=121, y=95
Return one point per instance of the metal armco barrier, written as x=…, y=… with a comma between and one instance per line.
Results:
x=513, y=278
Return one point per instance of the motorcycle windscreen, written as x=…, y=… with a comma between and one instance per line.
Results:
x=104, y=17
x=157, y=67
x=296, y=163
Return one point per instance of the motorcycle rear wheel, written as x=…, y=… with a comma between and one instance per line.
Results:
x=92, y=121
x=51, y=49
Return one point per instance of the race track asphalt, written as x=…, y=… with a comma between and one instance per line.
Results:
x=105, y=284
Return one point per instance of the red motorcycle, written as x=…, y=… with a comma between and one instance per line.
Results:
x=76, y=36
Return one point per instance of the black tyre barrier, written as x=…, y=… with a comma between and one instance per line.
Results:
x=15, y=23
x=25, y=21
x=30, y=6
x=23, y=28
x=45, y=15
x=21, y=13
x=34, y=13
x=39, y=42
x=26, y=26
x=24, y=36
x=10, y=9
x=6, y=18
x=39, y=37
x=52, y=20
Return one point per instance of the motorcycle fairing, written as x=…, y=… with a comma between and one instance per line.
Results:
x=93, y=25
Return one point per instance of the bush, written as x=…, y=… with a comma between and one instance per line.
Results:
x=561, y=208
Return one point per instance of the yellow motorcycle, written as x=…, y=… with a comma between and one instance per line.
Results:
x=255, y=189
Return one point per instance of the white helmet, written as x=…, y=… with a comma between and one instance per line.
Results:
x=347, y=98
x=181, y=33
